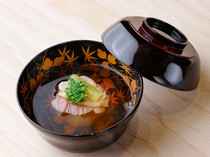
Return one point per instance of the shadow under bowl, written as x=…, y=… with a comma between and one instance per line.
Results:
x=83, y=57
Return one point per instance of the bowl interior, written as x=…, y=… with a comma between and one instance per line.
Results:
x=89, y=58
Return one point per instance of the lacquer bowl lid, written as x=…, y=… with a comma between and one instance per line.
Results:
x=156, y=50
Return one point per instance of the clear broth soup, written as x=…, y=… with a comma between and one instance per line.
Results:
x=114, y=84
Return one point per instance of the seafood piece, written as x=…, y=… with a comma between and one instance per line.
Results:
x=63, y=106
x=80, y=96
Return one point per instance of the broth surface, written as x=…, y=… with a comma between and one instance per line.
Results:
x=115, y=86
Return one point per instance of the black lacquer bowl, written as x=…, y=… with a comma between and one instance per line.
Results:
x=78, y=57
x=156, y=50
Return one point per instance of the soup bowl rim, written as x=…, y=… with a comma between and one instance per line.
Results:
x=124, y=120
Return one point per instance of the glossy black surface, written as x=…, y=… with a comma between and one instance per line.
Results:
x=64, y=59
x=162, y=35
x=178, y=71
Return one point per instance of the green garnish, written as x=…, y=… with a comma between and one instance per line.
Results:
x=92, y=92
x=79, y=88
x=75, y=91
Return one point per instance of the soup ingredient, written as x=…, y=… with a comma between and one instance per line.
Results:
x=62, y=105
x=75, y=91
x=65, y=118
x=80, y=95
x=91, y=91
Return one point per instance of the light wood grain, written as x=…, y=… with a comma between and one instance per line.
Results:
x=168, y=123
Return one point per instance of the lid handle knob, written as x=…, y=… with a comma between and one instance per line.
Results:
x=163, y=35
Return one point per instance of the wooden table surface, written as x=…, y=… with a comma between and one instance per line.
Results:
x=168, y=123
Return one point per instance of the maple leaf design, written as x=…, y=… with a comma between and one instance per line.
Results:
x=105, y=73
x=64, y=52
x=88, y=54
x=39, y=76
x=101, y=54
x=105, y=63
x=108, y=83
x=111, y=59
x=32, y=83
x=58, y=61
x=133, y=85
x=70, y=59
x=121, y=94
x=113, y=99
x=61, y=72
x=23, y=88
x=127, y=69
x=119, y=79
x=48, y=63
